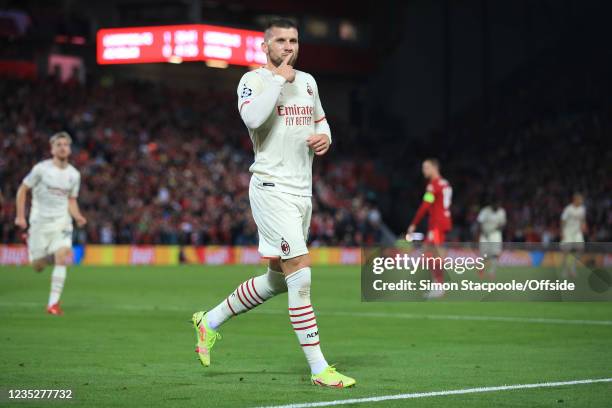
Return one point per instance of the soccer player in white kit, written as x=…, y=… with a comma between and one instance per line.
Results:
x=491, y=220
x=281, y=108
x=573, y=226
x=55, y=186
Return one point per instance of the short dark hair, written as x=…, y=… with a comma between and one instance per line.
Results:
x=278, y=23
x=281, y=23
x=435, y=162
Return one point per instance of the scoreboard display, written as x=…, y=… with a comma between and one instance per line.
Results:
x=178, y=43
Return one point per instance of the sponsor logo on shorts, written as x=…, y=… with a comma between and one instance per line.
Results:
x=285, y=247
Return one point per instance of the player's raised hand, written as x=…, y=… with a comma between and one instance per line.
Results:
x=319, y=143
x=21, y=223
x=285, y=70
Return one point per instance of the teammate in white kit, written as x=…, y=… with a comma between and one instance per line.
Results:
x=55, y=186
x=573, y=226
x=491, y=220
x=281, y=108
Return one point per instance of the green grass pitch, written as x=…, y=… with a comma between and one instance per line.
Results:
x=125, y=340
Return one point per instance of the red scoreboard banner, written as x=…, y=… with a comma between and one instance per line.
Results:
x=177, y=43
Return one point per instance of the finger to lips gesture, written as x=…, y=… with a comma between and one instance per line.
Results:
x=285, y=70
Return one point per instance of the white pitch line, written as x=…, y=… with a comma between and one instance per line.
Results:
x=440, y=393
x=411, y=316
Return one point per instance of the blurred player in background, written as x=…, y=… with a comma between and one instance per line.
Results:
x=281, y=108
x=491, y=221
x=55, y=187
x=436, y=204
x=573, y=227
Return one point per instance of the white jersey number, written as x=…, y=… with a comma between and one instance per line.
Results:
x=447, y=196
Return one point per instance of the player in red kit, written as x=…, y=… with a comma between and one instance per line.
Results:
x=436, y=203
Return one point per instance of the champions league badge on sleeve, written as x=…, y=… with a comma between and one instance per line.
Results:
x=246, y=92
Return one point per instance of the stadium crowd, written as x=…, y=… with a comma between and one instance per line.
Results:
x=167, y=166
x=164, y=165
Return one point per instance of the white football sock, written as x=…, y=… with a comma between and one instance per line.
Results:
x=303, y=320
x=247, y=296
x=57, y=284
x=493, y=267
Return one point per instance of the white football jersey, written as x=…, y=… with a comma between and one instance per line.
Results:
x=490, y=220
x=572, y=219
x=51, y=187
x=280, y=116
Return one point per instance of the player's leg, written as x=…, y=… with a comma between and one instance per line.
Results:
x=495, y=250
x=433, y=242
x=574, y=258
x=295, y=262
x=252, y=292
x=248, y=295
x=576, y=254
x=433, y=248
x=301, y=312
x=40, y=264
x=482, y=248
x=38, y=243
x=304, y=323
x=245, y=297
x=492, y=270
x=565, y=249
x=60, y=245
x=58, y=277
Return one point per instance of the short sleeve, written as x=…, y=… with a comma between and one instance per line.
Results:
x=74, y=190
x=481, y=216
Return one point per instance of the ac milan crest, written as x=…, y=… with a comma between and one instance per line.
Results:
x=285, y=246
x=308, y=89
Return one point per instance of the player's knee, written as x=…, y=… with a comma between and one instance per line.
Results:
x=295, y=264
x=62, y=257
x=38, y=266
x=301, y=283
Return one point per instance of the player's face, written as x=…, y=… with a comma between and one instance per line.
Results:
x=60, y=149
x=577, y=200
x=428, y=169
x=282, y=41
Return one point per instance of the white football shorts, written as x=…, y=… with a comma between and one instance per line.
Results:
x=491, y=243
x=47, y=239
x=282, y=219
x=572, y=241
